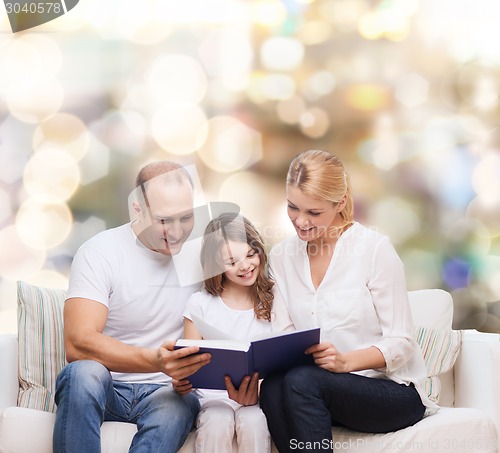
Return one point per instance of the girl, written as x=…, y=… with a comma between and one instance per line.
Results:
x=236, y=299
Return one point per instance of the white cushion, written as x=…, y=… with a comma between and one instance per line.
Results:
x=432, y=312
x=41, y=344
x=15, y=422
x=449, y=430
x=440, y=348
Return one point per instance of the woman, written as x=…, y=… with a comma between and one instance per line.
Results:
x=348, y=280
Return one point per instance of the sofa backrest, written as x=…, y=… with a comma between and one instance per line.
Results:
x=432, y=308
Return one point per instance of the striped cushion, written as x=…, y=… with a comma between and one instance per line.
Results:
x=41, y=345
x=440, y=349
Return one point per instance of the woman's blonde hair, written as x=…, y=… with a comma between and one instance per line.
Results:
x=321, y=175
x=232, y=227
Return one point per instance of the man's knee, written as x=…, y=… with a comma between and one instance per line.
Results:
x=87, y=376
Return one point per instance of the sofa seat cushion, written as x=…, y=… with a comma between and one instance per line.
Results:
x=25, y=430
x=449, y=430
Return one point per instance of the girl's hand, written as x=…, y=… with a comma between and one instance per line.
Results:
x=248, y=392
x=182, y=387
x=328, y=357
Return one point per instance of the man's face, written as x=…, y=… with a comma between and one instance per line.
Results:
x=167, y=222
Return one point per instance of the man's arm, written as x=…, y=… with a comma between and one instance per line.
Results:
x=84, y=322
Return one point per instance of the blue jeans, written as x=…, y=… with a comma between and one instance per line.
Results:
x=303, y=404
x=86, y=396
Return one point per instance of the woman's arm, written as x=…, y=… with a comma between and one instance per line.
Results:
x=328, y=357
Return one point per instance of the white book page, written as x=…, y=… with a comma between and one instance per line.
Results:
x=209, y=332
x=233, y=345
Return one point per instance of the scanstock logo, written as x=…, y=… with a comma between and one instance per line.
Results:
x=25, y=14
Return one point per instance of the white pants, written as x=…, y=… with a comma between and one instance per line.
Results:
x=219, y=420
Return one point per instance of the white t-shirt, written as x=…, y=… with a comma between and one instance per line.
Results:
x=139, y=287
x=241, y=325
x=362, y=301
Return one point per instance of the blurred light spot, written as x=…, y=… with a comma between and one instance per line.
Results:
x=95, y=164
x=488, y=215
x=277, y=86
x=244, y=188
x=122, y=131
x=468, y=239
x=139, y=25
x=389, y=21
x=43, y=226
x=15, y=148
x=343, y=14
x=319, y=84
x=48, y=278
x=455, y=187
x=466, y=304
x=367, y=97
x=176, y=78
x=63, y=130
x=477, y=86
x=314, y=122
x=486, y=179
x=268, y=13
x=314, y=32
x=486, y=278
x=180, y=127
x=5, y=206
x=396, y=218
x=422, y=269
x=231, y=145
x=411, y=90
x=217, y=12
x=456, y=273
x=290, y=110
x=388, y=148
x=228, y=54
x=28, y=60
x=438, y=139
x=18, y=260
x=485, y=96
x=51, y=176
x=82, y=231
x=35, y=102
x=281, y=54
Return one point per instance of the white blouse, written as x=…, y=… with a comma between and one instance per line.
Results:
x=362, y=301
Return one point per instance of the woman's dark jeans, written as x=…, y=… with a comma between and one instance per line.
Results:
x=304, y=403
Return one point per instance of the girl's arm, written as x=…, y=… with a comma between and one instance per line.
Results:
x=190, y=330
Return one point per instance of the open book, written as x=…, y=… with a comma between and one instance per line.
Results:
x=269, y=353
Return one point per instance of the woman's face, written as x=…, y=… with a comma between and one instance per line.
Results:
x=312, y=218
x=241, y=263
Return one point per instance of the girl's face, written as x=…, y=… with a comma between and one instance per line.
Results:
x=312, y=218
x=241, y=263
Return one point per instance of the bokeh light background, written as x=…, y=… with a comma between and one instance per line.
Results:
x=406, y=92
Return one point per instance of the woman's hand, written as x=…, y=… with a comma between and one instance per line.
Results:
x=248, y=391
x=329, y=357
x=182, y=387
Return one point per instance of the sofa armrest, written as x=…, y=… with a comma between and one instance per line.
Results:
x=477, y=373
x=9, y=383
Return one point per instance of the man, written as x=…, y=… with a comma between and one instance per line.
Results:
x=124, y=301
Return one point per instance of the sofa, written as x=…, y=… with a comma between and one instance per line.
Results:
x=463, y=377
